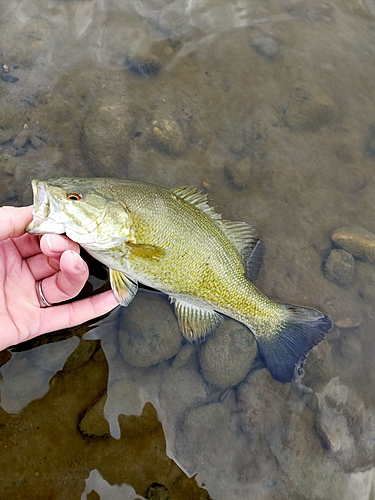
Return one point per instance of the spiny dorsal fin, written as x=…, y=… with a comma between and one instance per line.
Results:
x=196, y=198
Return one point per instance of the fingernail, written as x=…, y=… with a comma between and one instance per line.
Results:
x=51, y=241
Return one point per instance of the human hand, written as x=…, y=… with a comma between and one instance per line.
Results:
x=54, y=262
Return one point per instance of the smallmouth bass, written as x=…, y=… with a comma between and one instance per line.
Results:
x=174, y=242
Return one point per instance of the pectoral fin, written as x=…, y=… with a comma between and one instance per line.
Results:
x=195, y=323
x=123, y=287
x=145, y=252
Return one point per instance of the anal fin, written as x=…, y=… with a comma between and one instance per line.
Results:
x=195, y=323
x=124, y=288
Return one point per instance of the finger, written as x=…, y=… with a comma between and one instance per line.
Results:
x=75, y=313
x=13, y=221
x=42, y=266
x=69, y=281
x=54, y=245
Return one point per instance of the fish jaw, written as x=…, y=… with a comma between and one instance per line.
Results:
x=44, y=206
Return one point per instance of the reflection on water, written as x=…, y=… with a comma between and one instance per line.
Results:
x=268, y=106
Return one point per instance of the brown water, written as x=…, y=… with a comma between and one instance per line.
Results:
x=269, y=107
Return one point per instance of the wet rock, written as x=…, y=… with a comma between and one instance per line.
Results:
x=142, y=62
x=7, y=78
x=318, y=369
x=227, y=355
x=356, y=240
x=339, y=267
x=166, y=135
x=93, y=422
x=81, y=354
x=157, y=491
x=238, y=146
x=239, y=174
x=265, y=45
x=36, y=142
x=309, y=108
x=105, y=135
x=21, y=139
x=149, y=331
x=345, y=427
x=260, y=403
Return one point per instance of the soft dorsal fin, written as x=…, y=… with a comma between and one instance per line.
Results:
x=196, y=198
x=243, y=235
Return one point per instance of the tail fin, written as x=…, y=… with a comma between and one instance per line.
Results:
x=288, y=347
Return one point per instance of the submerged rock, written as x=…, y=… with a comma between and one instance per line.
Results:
x=265, y=45
x=149, y=331
x=142, y=62
x=309, y=108
x=166, y=135
x=157, y=491
x=93, y=422
x=345, y=427
x=226, y=357
x=339, y=267
x=239, y=174
x=356, y=240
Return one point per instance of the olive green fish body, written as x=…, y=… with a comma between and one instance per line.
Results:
x=171, y=240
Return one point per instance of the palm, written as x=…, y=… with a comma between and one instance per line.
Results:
x=54, y=260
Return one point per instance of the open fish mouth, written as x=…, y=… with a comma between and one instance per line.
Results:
x=46, y=211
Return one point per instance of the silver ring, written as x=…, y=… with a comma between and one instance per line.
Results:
x=41, y=295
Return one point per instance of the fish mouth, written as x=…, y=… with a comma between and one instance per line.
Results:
x=45, y=211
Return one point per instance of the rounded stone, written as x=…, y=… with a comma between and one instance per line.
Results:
x=142, y=62
x=239, y=174
x=266, y=46
x=339, y=267
x=309, y=108
x=356, y=240
x=149, y=331
x=166, y=136
x=226, y=357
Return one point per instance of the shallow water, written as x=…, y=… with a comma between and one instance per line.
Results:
x=269, y=107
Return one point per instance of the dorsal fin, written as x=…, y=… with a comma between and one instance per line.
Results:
x=196, y=198
x=243, y=235
x=246, y=239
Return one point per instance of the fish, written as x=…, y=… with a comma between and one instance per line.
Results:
x=173, y=241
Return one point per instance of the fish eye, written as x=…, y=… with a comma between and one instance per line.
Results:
x=74, y=196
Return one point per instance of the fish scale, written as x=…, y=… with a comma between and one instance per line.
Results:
x=173, y=241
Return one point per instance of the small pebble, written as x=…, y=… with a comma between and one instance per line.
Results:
x=356, y=240
x=239, y=174
x=339, y=267
x=266, y=46
x=7, y=78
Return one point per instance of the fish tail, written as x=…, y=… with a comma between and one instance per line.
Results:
x=286, y=348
